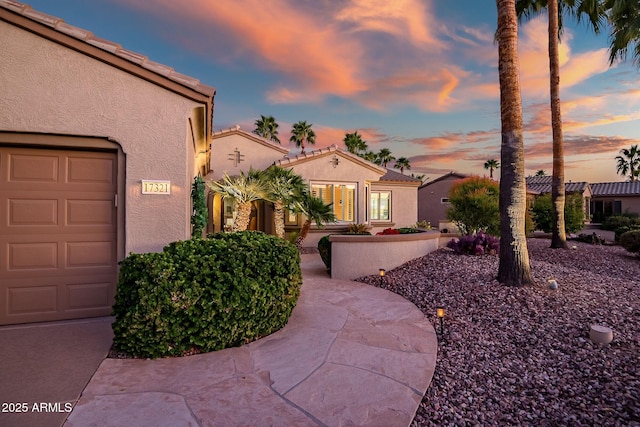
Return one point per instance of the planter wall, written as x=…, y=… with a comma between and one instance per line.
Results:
x=354, y=256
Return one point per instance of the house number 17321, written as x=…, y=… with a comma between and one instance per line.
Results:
x=156, y=187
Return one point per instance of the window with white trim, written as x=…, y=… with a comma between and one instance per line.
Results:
x=341, y=196
x=380, y=205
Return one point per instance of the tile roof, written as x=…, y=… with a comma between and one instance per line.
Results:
x=542, y=184
x=443, y=177
x=398, y=177
x=249, y=135
x=114, y=48
x=628, y=188
x=310, y=155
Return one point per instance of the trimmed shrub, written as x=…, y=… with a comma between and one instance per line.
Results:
x=573, y=213
x=474, y=205
x=478, y=244
x=324, y=247
x=614, y=222
x=203, y=295
x=631, y=241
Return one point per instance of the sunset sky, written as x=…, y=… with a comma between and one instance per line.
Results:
x=416, y=76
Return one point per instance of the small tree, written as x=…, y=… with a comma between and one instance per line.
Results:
x=200, y=213
x=573, y=213
x=474, y=205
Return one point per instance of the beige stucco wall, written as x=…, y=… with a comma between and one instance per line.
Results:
x=404, y=206
x=356, y=256
x=430, y=207
x=52, y=89
x=255, y=155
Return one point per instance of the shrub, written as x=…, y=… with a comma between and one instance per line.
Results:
x=423, y=224
x=324, y=247
x=388, y=231
x=573, y=213
x=474, y=205
x=631, y=241
x=358, y=229
x=478, y=244
x=621, y=230
x=202, y=295
x=409, y=230
x=617, y=221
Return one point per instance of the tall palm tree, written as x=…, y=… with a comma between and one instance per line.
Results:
x=243, y=190
x=315, y=210
x=491, y=164
x=285, y=188
x=267, y=127
x=403, y=163
x=301, y=133
x=384, y=157
x=593, y=11
x=354, y=143
x=629, y=162
x=514, y=268
x=369, y=156
x=624, y=16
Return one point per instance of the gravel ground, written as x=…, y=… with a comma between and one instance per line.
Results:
x=522, y=356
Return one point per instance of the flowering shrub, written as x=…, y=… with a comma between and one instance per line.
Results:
x=387, y=231
x=478, y=244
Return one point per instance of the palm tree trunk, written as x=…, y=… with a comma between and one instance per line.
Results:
x=558, y=233
x=514, y=268
x=278, y=218
x=304, y=231
x=243, y=217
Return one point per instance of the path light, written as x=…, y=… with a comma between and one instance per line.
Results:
x=553, y=284
x=440, y=314
x=381, y=272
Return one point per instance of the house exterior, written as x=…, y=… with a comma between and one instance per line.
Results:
x=614, y=198
x=433, y=200
x=97, y=159
x=542, y=185
x=360, y=191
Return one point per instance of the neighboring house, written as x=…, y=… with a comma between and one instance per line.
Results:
x=614, y=198
x=542, y=185
x=99, y=147
x=433, y=200
x=359, y=191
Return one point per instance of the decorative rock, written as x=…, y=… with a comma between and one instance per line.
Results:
x=552, y=284
x=600, y=334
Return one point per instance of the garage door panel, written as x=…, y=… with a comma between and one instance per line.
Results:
x=28, y=212
x=32, y=256
x=33, y=168
x=90, y=212
x=58, y=257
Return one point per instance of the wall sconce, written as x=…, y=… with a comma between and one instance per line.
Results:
x=381, y=273
x=335, y=161
x=440, y=314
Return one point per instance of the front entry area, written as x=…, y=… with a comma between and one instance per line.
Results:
x=58, y=231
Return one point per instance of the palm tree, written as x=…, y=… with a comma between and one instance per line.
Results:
x=354, y=143
x=514, y=268
x=491, y=164
x=624, y=16
x=243, y=190
x=369, y=156
x=267, y=127
x=403, y=163
x=384, y=156
x=285, y=188
x=315, y=210
x=629, y=162
x=541, y=172
x=594, y=12
x=301, y=133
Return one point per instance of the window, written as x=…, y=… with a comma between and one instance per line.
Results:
x=342, y=197
x=380, y=205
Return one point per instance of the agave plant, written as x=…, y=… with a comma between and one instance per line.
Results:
x=243, y=190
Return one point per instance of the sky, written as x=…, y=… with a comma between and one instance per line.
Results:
x=418, y=77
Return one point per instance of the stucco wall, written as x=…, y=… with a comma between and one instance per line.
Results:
x=430, y=207
x=52, y=89
x=355, y=256
x=255, y=155
x=404, y=206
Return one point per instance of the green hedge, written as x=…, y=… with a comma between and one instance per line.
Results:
x=631, y=241
x=203, y=295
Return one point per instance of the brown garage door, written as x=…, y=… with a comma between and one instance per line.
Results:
x=57, y=234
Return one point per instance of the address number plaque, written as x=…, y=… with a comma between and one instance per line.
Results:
x=150, y=186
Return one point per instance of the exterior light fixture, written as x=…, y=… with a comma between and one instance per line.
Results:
x=335, y=161
x=440, y=314
x=381, y=273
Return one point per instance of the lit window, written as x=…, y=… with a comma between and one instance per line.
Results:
x=341, y=196
x=380, y=205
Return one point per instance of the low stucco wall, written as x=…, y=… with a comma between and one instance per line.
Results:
x=354, y=256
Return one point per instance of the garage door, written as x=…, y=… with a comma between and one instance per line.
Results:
x=57, y=234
